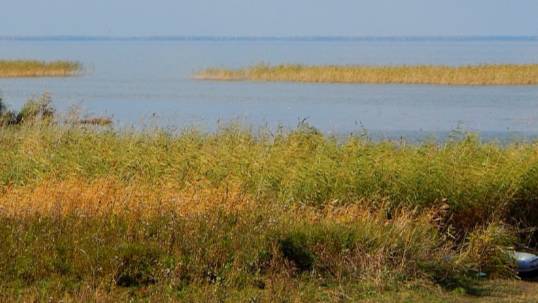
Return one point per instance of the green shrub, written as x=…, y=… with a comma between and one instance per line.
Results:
x=37, y=109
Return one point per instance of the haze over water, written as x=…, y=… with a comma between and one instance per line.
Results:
x=136, y=80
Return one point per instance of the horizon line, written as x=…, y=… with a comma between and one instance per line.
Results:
x=267, y=38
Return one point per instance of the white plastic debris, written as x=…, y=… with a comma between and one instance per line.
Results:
x=526, y=263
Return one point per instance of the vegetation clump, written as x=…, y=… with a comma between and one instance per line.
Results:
x=34, y=68
x=35, y=110
x=40, y=110
x=487, y=74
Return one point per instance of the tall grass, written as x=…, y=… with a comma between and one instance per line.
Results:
x=506, y=74
x=242, y=215
x=34, y=68
x=477, y=181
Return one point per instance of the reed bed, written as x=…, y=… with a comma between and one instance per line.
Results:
x=34, y=68
x=237, y=215
x=487, y=74
x=242, y=215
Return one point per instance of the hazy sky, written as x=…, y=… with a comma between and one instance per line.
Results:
x=268, y=17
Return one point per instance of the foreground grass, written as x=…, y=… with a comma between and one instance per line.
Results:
x=509, y=74
x=34, y=68
x=255, y=216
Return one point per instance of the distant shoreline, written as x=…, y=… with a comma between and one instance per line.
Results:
x=67, y=38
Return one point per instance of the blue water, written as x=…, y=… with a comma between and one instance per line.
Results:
x=142, y=81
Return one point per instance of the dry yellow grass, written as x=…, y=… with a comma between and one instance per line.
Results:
x=34, y=68
x=107, y=196
x=507, y=74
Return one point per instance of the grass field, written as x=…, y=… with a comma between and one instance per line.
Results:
x=34, y=68
x=508, y=74
x=90, y=213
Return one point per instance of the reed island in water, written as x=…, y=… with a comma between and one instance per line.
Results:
x=35, y=68
x=487, y=74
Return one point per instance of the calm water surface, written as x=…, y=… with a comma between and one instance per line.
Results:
x=136, y=81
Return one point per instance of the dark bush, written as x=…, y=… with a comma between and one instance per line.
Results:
x=137, y=267
x=7, y=117
x=294, y=247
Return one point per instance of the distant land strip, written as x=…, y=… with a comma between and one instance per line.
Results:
x=273, y=38
x=487, y=74
x=35, y=68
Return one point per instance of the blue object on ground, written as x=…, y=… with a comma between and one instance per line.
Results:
x=526, y=263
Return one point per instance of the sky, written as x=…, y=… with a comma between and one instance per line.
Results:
x=268, y=17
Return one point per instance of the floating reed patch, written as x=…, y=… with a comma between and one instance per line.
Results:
x=34, y=68
x=488, y=74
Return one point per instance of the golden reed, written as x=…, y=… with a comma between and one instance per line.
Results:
x=34, y=68
x=488, y=74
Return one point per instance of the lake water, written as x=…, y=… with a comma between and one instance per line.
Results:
x=142, y=81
